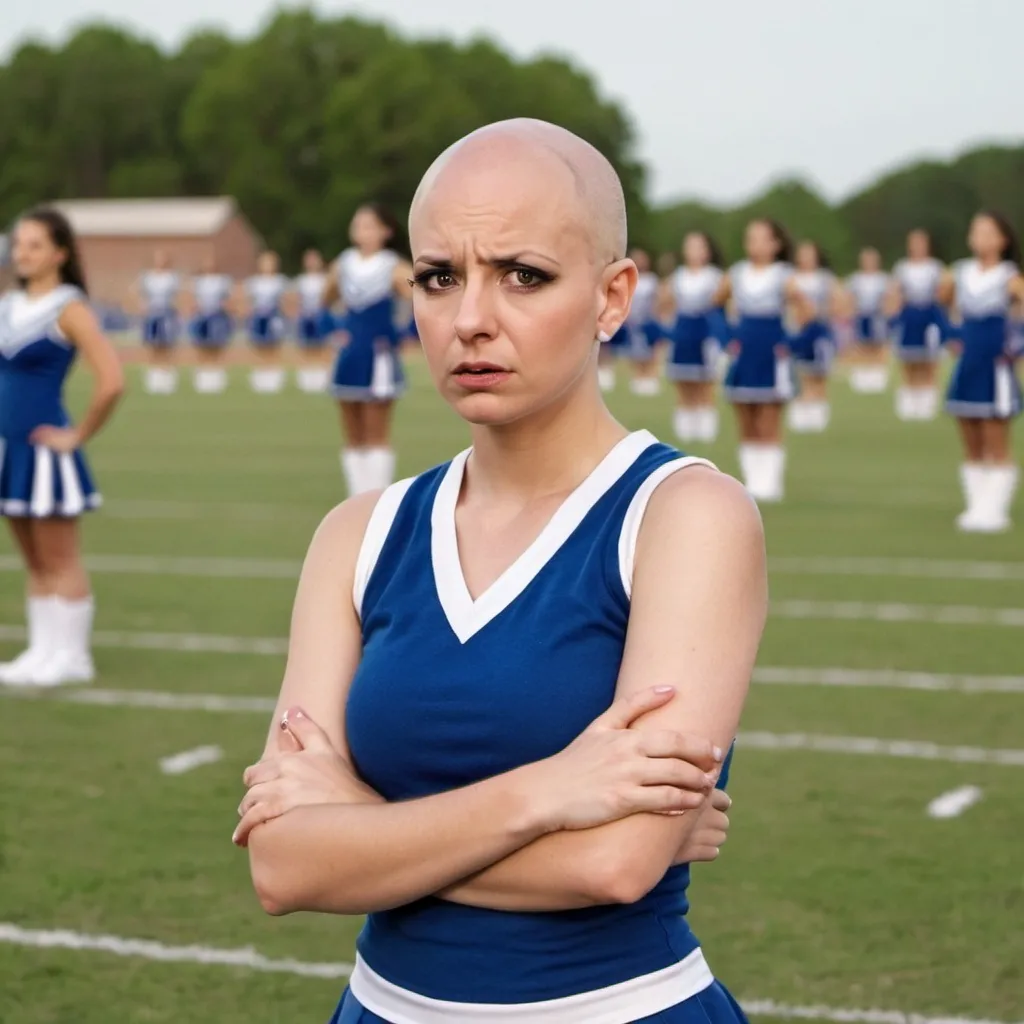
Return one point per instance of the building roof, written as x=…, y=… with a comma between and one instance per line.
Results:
x=141, y=217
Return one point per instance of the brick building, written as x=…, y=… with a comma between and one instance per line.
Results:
x=118, y=237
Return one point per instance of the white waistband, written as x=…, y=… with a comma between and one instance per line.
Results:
x=617, y=1004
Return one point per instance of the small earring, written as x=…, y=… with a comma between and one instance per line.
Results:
x=603, y=336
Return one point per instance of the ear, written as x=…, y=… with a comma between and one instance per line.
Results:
x=618, y=283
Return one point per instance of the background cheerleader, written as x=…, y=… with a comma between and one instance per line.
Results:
x=760, y=379
x=984, y=393
x=45, y=484
x=814, y=344
x=314, y=323
x=697, y=332
x=642, y=329
x=368, y=376
x=918, y=327
x=867, y=288
x=211, y=326
x=261, y=298
x=156, y=296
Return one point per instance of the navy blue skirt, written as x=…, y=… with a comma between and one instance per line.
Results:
x=212, y=330
x=160, y=331
x=762, y=371
x=695, y=347
x=984, y=384
x=919, y=332
x=814, y=348
x=872, y=330
x=315, y=329
x=715, y=1005
x=38, y=483
x=266, y=329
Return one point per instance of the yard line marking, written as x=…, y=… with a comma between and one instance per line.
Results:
x=249, y=959
x=875, y=747
x=207, y=643
x=271, y=568
x=888, y=679
x=782, y=1011
x=914, y=568
x=954, y=803
x=150, y=950
x=948, y=615
x=178, y=764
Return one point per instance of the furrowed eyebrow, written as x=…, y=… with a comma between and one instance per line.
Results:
x=498, y=262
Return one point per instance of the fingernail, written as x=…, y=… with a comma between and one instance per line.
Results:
x=284, y=720
x=234, y=837
x=717, y=751
x=664, y=689
x=675, y=814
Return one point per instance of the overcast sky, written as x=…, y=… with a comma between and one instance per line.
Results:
x=726, y=94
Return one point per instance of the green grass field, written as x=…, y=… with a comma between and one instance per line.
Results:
x=836, y=889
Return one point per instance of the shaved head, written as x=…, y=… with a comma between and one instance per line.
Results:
x=535, y=146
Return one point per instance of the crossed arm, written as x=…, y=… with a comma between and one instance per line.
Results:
x=698, y=606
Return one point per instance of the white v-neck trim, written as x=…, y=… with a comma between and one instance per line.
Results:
x=466, y=616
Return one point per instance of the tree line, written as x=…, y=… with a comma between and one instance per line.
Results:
x=312, y=115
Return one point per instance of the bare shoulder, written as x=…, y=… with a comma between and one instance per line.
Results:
x=77, y=317
x=700, y=505
x=340, y=533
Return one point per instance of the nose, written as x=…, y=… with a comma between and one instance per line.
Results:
x=476, y=318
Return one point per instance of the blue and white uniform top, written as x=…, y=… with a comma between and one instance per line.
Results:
x=918, y=281
x=35, y=358
x=699, y=329
x=869, y=289
x=265, y=292
x=816, y=286
x=468, y=676
x=762, y=371
x=983, y=385
x=310, y=289
x=641, y=326
x=160, y=290
x=368, y=368
x=211, y=293
x=760, y=292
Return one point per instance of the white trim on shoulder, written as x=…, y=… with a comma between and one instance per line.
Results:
x=634, y=517
x=377, y=529
x=466, y=615
x=616, y=1004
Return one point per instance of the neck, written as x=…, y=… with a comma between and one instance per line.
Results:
x=42, y=285
x=367, y=253
x=987, y=262
x=550, y=452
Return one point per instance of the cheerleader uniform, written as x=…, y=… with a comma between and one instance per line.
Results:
x=211, y=327
x=368, y=368
x=266, y=327
x=762, y=372
x=869, y=291
x=37, y=482
x=696, y=336
x=984, y=386
x=551, y=632
x=813, y=348
x=315, y=327
x=918, y=332
x=159, y=295
x=642, y=331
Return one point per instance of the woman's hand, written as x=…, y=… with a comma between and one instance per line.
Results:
x=710, y=831
x=733, y=348
x=307, y=771
x=62, y=440
x=611, y=771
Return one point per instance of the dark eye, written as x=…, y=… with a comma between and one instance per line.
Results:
x=442, y=279
x=526, y=278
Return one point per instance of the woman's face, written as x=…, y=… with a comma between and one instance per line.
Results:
x=918, y=245
x=696, y=252
x=985, y=239
x=367, y=232
x=641, y=259
x=870, y=261
x=267, y=263
x=510, y=291
x=34, y=255
x=807, y=257
x=312, y=261
x=760, y=242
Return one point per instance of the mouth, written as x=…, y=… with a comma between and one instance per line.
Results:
x=479, y=375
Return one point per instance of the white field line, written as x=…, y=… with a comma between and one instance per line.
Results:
x=861, y=611
x=247, y=958
x=269, y=568
x=888, y=679
x=178, y=764
x=871, y=746
x=911, y=568
x=864, y=745
x=954, y=803
x=206, y=643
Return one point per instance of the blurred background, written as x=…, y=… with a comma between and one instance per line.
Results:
x=892, y=672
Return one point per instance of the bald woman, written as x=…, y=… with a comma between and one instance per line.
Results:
x=512, y=680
